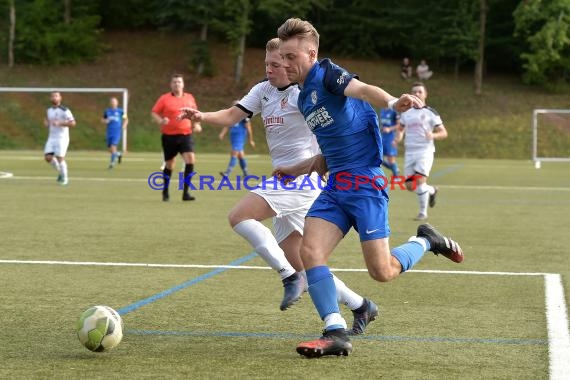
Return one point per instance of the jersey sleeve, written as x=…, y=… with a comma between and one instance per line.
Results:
x=158, y=106
x=336, y=78
x=69, y=115
x=435, y=119
x=251, y=103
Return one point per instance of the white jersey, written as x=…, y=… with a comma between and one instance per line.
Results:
x=417, y=123
x=288, y=137
x=59, y=113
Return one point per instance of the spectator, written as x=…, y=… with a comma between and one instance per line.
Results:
x=423, y=71
x=406, y=69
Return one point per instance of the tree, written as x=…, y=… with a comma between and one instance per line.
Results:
x=545, y=27
x=196, y=15
x=481, y=49
x=12, y=33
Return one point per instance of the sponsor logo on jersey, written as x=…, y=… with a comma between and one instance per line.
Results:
x=319, y=118
x=314, y=96
x=284, y=102
x=342, y=78
x=273, y=120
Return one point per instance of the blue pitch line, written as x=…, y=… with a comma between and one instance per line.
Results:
x=230, y=334
x=449, y=169
x=167, y=292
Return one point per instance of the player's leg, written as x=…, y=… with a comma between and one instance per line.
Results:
x=320, y=237
x=60, y=151
x=231, y=164
x=245, y=218
x=422, y=167
x=288, y=230
x=187, y=151
x=170, y=150
x=242, y=162
x=49, y=151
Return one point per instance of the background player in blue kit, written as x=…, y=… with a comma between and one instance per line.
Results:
x=389, y=123
x=116, y=120
x=238, y=133
x=337, y=108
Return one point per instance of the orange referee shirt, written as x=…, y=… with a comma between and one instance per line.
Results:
x=168, y=105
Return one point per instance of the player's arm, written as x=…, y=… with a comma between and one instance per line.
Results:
x=314, y=164
x=223, y=133
x=228, y=116
x=439, y=133
x=380, y=98
x=159, y=119
x=399, y=132
x=249, y=132
x=46, y=122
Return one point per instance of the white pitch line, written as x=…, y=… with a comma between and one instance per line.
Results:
x=509, y=188
x=213, y=266
x=557, y=321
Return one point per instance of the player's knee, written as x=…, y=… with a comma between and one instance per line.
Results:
x=383, y=274
x=48, y=158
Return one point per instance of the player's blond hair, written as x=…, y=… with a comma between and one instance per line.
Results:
x=272, y=45
x=297, y=28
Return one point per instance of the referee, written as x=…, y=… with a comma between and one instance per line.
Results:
x=176, y=134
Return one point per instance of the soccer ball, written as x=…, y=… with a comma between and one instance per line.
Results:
x=100, y=328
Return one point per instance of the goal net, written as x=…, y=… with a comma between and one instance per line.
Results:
x=20, y=106
x=550, y=135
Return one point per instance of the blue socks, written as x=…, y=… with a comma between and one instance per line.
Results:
x=243, y=165
x=408, y=254
x=393, y=167
x=231, y=165
x=113, y=157
x=323, y=292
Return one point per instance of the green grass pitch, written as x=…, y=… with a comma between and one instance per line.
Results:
x=484, y=318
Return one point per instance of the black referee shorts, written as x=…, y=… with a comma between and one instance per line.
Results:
x=174, y=144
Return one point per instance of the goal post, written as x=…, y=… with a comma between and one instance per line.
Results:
x=110, y=90
x=550, y=136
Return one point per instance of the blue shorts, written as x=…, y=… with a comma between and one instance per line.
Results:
x=113, y=138
x=352, y=201
x=389, y=149
x=237, y=144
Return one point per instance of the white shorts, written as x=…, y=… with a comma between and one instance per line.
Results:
x=418, y=163
x=57, y=147
x=291, y=204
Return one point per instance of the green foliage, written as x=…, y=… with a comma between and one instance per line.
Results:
x=545, y=27
x=43, y=37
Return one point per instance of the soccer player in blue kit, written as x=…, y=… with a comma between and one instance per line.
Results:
x=116, y=120
x=337, y=108
x=389, y=124
x=238, y=133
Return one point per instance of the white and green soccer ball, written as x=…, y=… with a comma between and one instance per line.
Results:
x=100, y=328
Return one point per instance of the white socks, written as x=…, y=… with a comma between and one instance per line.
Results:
x=63, y=169
x=264, y=243
x=346, y=296
x=55, y=163
x=424, y=190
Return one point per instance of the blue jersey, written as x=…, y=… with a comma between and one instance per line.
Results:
x=114, y=118
x=346, y=128
x=388, y=118
x=238, y=131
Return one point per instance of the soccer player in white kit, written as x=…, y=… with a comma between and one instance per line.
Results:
x=58, y=119
x=421, y=127
x=290, y=141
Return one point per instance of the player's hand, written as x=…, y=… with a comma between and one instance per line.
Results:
x=394, y=143
x=319, y=165
x=55, y=123
x=197, y=128
x=189, y=113
x=406, y=102
x=285, y=173
x=252, y=143
x=164, y=121
x=386, y=130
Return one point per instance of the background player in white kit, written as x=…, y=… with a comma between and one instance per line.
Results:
x=58, y=119
x=421, y=127
x=290, y=141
